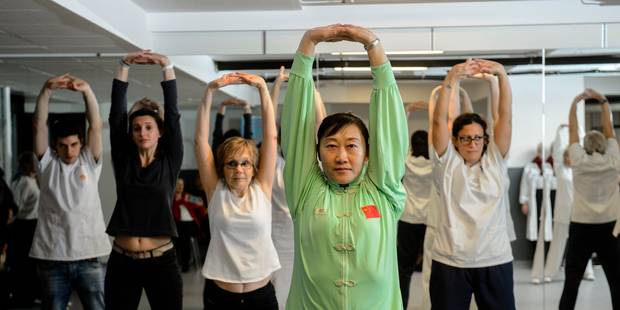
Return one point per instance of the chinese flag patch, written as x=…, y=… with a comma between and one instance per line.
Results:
x=371, y=211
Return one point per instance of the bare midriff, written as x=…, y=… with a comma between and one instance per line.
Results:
x=242, y=287
x=140, y=244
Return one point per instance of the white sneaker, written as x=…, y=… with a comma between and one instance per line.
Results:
x=589, y=276
x=535, y=281
x=547, y=279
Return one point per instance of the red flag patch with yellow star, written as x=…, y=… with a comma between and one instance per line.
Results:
x=370, y=211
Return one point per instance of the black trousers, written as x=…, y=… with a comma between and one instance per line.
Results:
x=451, y=288
x=23, y=268
x=409, y=247
x=160, y=278
x=583, y=240
x=183, y=243
x=214, y=297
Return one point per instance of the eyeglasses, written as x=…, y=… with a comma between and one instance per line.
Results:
x=233, y=164
x=468, y=139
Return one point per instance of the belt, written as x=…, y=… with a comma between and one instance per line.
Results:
x=156, y=252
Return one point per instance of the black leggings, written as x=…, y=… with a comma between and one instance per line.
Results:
x=160, y=278
x=214, y=297
x=583, y=240
x=408, y=248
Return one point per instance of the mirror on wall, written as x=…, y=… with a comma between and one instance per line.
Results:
x=568, y=73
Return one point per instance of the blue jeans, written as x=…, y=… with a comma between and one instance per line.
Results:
x=60, y=278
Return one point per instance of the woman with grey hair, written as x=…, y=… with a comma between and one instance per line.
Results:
x=595, y=203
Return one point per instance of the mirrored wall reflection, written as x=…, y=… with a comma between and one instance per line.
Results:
x=573, y=269
x=348, y=90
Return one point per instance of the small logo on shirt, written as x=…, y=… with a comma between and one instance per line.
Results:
x=320, y=211
x=82, y=174
x=370, y=211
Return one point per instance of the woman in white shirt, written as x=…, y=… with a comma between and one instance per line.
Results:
x=471, y=253
x=26, y=194
x=596, y=203
x=241, y=255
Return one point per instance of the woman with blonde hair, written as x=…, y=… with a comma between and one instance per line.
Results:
x=238, y=184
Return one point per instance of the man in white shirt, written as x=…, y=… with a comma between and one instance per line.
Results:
x=70, y=235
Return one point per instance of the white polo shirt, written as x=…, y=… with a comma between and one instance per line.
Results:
x=417, y=182
x=595, y=184
x=70, y=225
x=241, y=249
x=471, y=231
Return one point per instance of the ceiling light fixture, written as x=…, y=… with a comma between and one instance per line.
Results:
x=390, y=53
x=366, y=69
x=609, y=67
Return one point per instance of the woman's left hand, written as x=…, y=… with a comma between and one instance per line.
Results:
x=358, y=34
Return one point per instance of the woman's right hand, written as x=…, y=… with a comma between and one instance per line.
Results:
x=590, y=93
x=58, y=82
x=224, y=80
x=138, y=58
x=282, y=75
x=330, y=33
x=465, y=69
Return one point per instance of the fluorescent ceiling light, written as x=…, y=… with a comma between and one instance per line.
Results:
x=366, y=69
x=390, y=53
x=609, y=67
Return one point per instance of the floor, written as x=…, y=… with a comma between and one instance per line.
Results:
x=592, y=294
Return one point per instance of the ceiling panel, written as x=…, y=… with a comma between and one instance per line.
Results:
x=217, y=5
x=27, y=75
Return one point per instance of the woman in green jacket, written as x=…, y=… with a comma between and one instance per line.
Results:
x=346, y=213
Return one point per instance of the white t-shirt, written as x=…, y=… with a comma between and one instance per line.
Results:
x=70, y=225
x=417, y=182
x=471, y=231
x=26, y=195
x=241, y=249
x=595, y=183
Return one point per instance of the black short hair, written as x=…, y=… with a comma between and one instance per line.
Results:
x=468, y=119
x=333, y=123
x=26, y=163
x=61, y=128
x=419, y=143
x=147, y=112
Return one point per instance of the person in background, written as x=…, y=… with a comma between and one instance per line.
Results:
x=189, y=213
x=562, y=209
x=23, y=268
x=219, y=136
x=596, y=203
